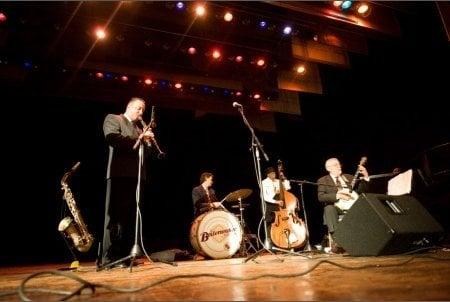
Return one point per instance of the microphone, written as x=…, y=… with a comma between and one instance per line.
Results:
x=75, y=167
x=237, y=105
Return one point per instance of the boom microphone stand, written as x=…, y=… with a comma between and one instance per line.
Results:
x=256, y=147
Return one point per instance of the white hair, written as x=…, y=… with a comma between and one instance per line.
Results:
x=330, y=161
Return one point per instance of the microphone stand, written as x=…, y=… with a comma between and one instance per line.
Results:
x=256, y=148
x=308, y=245
x=136, y=250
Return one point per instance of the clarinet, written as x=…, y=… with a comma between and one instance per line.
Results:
x=153, y=139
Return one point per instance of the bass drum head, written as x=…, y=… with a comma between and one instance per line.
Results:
x=217, y=234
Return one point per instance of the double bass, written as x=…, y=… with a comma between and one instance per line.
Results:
x=288, y=230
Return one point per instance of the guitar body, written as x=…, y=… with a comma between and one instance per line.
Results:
x=345, y=205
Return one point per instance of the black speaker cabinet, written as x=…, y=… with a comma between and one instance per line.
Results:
x=379, y=224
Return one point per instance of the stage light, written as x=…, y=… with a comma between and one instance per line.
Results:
x=228, y=17
x=263, y=24
x=192, y=50
x=108, y=76
x=260, y=62
x=2, y=17
x=226, y=92
x=346, y=5
x=301, y=69
x=216, y=54
x=363, y=9
x=337, y=3
x=256, y=96
x=148, y=81
x=27, y=64
x=99, y=75
x=316, y=38
x=287, y=30
x=180, y=5
x=178, y=85
x=200, y=10
x=238, y=93
x=124, y=78
x=239, y=59
x=100, y=33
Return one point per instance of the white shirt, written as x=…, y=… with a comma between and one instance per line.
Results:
x=272, y=187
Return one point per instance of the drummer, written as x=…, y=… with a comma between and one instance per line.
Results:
x=203, y=196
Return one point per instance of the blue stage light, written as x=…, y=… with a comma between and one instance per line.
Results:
x=287, y=30
x=180, y=5
x=346, y=4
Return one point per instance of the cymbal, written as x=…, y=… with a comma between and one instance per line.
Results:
x=239, y=194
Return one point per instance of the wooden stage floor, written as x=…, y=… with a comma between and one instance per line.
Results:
x=424, y=276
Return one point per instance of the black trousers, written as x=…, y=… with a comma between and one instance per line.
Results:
x=120, y=216
x=270, y=216
x=331, y=217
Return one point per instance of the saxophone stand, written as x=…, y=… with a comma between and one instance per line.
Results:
x=75, y=264
x=136, y=250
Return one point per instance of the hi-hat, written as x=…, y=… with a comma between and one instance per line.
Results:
x=239, y=194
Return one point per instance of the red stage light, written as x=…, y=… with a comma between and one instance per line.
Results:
x=200, y=10
x=2, y=17
x=99, y=75
x=124, y=78
x=239, y=59
x=148, y=81
x=192, y=50
x=100, y=33
x=228, y=17
x=260, y=62
x=301, y=69
x=178, y=85
x=216, y=54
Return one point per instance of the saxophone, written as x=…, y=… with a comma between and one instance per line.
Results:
x=75, y=228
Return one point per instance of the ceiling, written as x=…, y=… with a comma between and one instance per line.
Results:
x=55, y=41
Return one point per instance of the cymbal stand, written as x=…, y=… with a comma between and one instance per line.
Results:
x=246, y=244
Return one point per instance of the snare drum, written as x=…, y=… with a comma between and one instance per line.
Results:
x=217, y=234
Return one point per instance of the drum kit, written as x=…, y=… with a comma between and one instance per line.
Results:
x=218, y=233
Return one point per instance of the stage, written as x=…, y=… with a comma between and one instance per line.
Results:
x=307, y=276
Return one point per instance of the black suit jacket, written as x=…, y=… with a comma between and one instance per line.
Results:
x=327, y=189
x=121, y=135
x=199, y=197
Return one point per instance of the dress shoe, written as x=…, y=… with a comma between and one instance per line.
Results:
x=198, y=257
x=336, y=249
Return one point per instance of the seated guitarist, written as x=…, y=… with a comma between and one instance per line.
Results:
x=331, y=189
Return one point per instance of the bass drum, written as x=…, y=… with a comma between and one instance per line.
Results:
x=217, y=234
